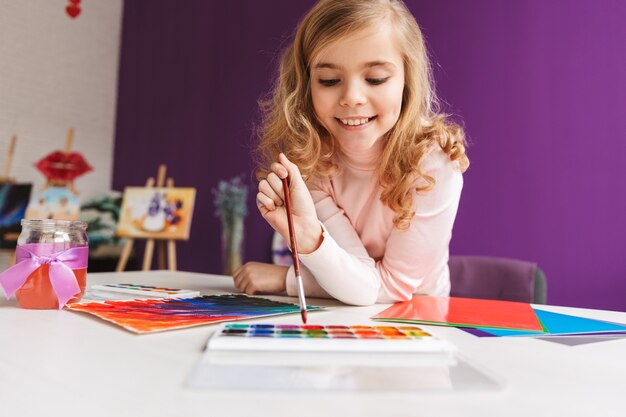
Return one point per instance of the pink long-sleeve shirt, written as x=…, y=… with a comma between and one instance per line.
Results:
x=363, y=258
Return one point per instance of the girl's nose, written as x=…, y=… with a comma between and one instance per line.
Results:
x=352, y=95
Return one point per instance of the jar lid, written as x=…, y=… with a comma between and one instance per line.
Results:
x=51, y=224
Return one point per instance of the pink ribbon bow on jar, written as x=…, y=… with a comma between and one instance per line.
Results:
x=61, y=271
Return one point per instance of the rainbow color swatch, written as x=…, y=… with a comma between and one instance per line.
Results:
x=148, y=316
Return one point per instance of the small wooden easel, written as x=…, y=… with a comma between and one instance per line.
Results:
x=6, y=179
x=7, y=165
x=148, y=254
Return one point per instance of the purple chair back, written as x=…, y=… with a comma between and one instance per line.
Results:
x=496, y=279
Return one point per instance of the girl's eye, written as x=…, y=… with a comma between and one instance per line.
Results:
x=328, y=83
x=376, y=81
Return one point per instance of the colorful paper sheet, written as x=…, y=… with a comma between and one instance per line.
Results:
x=463, y=312
x=559, y=324
x=148, y=316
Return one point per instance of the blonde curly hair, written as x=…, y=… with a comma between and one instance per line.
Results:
x=290, y=124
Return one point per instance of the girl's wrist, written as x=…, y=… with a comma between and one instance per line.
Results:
x=310, y=238
x=284, y=273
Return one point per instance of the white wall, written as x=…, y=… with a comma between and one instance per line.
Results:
x=57, y=72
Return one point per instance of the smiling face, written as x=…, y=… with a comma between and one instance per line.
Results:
x=356, y=87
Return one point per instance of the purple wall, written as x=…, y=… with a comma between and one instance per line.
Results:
x=540, y=87
x=190, y=77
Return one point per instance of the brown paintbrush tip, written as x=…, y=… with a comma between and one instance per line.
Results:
x=303, y=314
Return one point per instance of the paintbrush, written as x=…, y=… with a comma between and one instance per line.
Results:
x=294, y=250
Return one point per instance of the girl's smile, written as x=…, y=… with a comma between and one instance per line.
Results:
x=355, y=123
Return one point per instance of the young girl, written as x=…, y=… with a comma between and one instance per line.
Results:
x=374, y=170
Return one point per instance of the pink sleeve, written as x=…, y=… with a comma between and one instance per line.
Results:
x=311, y=287
x=415, y=260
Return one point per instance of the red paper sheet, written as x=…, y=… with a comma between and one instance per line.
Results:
x=463, y=312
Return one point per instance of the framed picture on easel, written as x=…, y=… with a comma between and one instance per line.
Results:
x=156, y=213
x=160, y=214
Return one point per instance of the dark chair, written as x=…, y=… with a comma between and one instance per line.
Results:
x=497, y=279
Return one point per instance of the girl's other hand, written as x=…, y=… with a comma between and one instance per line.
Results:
x=271, y=204
x=256, y=277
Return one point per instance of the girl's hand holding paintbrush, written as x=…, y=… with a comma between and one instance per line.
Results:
x=271, y=203
x=256, y=277
x=280, y=197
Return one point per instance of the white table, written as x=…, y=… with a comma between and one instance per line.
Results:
x=55, y=363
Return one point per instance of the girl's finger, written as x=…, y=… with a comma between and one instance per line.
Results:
x=237, y=273
x=292, y=168
x=266, y=188
x=280, y=170
x=277, y=185
x=263, y=201
x=244, y=281
x=248, y=288
x=237, y=280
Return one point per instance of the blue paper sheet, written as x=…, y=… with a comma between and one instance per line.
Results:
x=562, y=324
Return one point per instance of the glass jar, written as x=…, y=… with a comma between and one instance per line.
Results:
x=47, y=240
x=232, y=244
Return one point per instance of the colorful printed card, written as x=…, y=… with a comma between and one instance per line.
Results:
x=144, y=291
x=149, y=316
x=463, y=312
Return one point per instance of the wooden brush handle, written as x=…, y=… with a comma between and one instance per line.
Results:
x=292, y=232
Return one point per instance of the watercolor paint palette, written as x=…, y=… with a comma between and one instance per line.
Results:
x=155, y=315
x=356, y=338
x=145, y=291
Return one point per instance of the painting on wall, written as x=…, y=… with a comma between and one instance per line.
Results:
x=54, y=203
x=156, y=213
x=13, y=201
